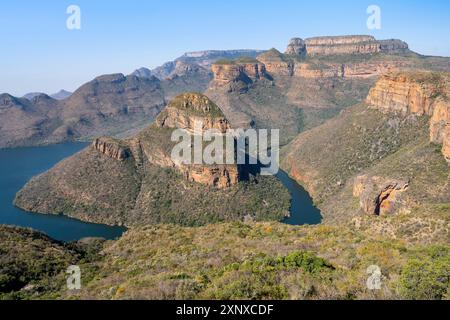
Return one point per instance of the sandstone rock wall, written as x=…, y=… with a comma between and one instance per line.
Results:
x=344, y=45
x=420, y=93
x=377, y=195
x=402, y=93
x=176, y=118
x=446, y=143
x=220, y=176
x=226, y=73
x=296, y=46
x=112, y=148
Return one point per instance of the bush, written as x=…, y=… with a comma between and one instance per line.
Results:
x=426, y=278
x=308, y=261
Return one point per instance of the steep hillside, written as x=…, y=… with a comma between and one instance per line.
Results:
x=108, y=104
x=29, y=262
x=136, y=181
x=383, y=160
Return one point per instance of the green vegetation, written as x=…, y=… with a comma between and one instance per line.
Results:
x=235, y=261
x=28, y=262
x=196, y=104
x=427, y=275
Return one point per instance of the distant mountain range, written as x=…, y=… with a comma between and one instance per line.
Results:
x=110, y=104
x=60, y=95
x=295, y=91
x=200, y=58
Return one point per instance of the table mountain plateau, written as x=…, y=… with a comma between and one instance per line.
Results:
x=135, y=181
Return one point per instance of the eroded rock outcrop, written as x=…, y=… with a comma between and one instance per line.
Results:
x=342, y=45
x=419, y=93
x=112, y=148
x=440, y=122
x=446, y=143
x=245, y=70
x=276, y=63
x=193, y=112
x=296, y=46
x=222, y=176
x=377, y=195
x=338, y=45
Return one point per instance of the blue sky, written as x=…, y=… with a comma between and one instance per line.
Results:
x=39, y=53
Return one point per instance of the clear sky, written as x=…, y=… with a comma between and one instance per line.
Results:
x=39, y=53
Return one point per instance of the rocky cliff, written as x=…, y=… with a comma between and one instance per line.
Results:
x=238, y=74
x=342, y=45
x=419, y=93
x=112, y=148
x=189, y=110
x=338, y=45
x=136, y=181
x=376, y=158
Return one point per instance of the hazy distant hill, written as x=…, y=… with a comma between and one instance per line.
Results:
x=107, y=104
x=201, y=58
x=60, y=95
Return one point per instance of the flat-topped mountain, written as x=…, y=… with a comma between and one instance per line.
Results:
x=337, y=45
x=136, y=181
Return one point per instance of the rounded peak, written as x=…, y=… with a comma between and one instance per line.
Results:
x=271, y=55
x=6, y=98
x=40, y=97
x=197, y=102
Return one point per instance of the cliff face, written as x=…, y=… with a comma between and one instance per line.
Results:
x=378, y=196
x=137, y=181
x=296, y=46
x=298, y=63
x=375, y=158
x=416, y=93
x=112, y=148
x=344, y=45
x=230, y=73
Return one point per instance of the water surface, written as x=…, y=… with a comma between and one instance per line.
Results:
x=19, y=165
x=302, y=210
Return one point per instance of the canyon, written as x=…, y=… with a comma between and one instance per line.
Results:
x=386, y=156
x=365, y=129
